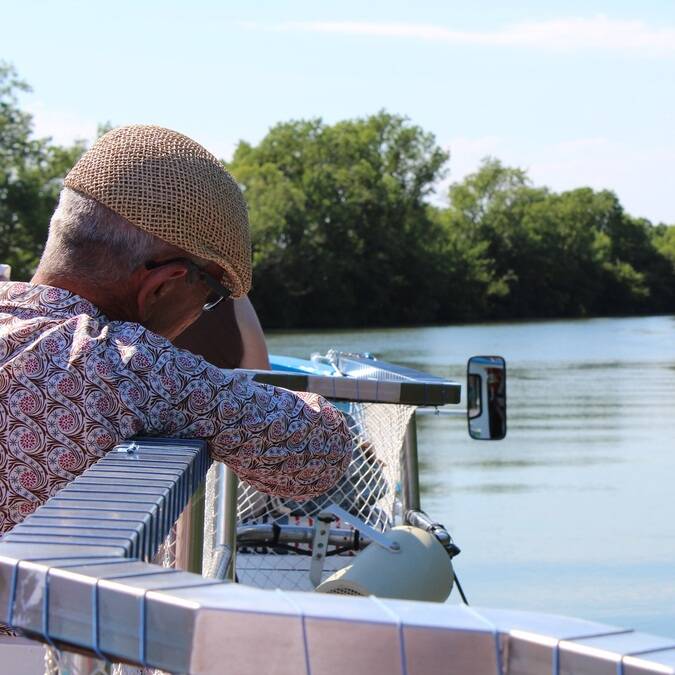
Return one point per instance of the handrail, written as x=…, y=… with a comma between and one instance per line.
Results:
x=425, y=391
x=89, y=587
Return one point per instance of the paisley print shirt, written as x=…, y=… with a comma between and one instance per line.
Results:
x=73, y=384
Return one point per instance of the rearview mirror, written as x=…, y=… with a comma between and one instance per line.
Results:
x=486, y=397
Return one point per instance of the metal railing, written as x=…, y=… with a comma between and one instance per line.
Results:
x=76, y=574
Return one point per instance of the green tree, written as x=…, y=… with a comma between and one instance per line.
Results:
x=488, y=210
x=664, y=241
x=31, y=173
x=662, y=271
x=342, y=232
x=543, y=254
x=572, y=253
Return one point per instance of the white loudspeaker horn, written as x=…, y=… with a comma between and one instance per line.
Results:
x=419, y=570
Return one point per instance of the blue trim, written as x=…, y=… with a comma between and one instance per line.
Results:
x=290, y=364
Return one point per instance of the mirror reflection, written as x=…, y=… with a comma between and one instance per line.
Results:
x=486, y=397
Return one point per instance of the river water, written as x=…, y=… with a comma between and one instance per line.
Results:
x=574, y=513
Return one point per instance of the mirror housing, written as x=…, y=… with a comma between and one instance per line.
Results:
x=486, y=397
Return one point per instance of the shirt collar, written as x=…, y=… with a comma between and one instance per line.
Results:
x=44, y=299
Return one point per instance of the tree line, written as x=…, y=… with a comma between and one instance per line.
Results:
x=344, y=233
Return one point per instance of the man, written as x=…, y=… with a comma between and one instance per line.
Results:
x=150, y=230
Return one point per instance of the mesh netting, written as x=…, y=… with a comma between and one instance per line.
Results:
x=63, y=662
x=166, y=555
x=214, y=485
x=369, y=490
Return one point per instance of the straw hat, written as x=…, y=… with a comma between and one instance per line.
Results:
x=168, y=185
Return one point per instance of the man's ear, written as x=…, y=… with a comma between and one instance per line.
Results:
x=155, y=285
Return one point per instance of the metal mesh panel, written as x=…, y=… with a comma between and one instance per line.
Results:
x=58, y=662
x=166, y=555
x=62, y=662
x=369, y=490
x=211, y=499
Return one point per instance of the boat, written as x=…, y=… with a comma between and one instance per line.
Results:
x=156, y=558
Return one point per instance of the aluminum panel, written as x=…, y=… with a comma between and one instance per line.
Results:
x=149, y=512
x=451, y=651
x=327, y=606
x=654, y=662
x=72, y=598
x=560, y=627
x=37, y=538
x=602, y=654
x=128, y=597
x=367, y=648
x=139, y=519
x=95, y=528
x=249, y=643
x=238, y=598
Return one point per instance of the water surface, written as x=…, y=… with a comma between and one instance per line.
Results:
x=574, y=513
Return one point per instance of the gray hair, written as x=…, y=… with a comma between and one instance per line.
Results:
x=87, y=239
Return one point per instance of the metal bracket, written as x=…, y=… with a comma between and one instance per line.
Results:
x=319, y=546
x=374, y=535
x=418, y=518
x=220, y=563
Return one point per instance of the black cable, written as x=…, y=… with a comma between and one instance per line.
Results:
x=459, y=588
x=338, y=550
x=291, y=548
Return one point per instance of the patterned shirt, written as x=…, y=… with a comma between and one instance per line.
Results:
x=73, y=384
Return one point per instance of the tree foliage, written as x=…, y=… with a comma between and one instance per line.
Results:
x=341, y=230
x=344, y=234
x=575, y=253
x=31, y=175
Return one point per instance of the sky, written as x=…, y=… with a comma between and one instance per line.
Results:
x=576, y=93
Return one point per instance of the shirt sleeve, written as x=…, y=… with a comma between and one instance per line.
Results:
x=294, y=445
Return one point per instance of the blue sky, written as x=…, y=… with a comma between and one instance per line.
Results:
x=577, y=93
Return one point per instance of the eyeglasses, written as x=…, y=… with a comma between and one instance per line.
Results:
x=218, y=291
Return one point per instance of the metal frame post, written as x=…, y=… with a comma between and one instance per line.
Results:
x=190, y=533
x=411, y=477
x=228, y=520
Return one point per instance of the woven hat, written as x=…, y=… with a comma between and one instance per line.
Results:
x=168, y=185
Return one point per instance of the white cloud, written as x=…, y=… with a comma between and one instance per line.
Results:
x=566, y=34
